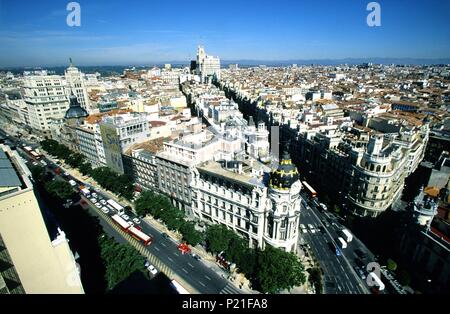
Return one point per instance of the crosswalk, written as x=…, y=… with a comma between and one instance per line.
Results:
x=230, y=289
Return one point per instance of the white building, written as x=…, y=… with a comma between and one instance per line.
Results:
x=76, y=82
x=45, y=98
x=207, y=66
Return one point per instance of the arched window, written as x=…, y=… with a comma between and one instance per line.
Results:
x=384, y=168
x=371, y=167
x=378, y=168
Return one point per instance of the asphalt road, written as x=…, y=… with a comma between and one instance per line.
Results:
x=339, y=275
x=194, y=272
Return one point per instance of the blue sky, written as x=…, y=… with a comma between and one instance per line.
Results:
x=140, y=32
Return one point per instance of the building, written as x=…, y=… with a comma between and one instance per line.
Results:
x=30, y=260
x=46, y=99
x=207, y=66
x=76, y=83
x=263, y=208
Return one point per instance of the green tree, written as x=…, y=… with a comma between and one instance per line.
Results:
x=190, y=235
x=391, y=264
x=315, y=278
x=218, y=238
x=121, y=260
x=38, y=173
x=404, y=278
x=60, y=189
x=277, y=270
x=85, y=168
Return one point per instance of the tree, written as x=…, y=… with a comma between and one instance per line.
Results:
x=85, y=168
x=190, y=235
x=315, y=278
x=391, y=265
x=38, y=173
x=218, y=238
x=60, y=189
x=121, y=260
x=404, y=278
x=277, y=270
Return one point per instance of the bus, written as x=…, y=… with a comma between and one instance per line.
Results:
x=312, y=193
x=121, y=222
x=179, y=287
x=140, y=236
x=116, y=206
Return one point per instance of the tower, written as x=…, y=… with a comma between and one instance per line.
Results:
x=285, y=201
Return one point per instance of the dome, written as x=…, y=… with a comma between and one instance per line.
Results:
x=75, y=111
x=285, y=175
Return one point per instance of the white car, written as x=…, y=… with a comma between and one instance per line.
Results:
x=93, y=200
x=98, y=205
x=313, y=230
x=94, y=195
x=126, y=217
x=136, y=221
x=304, y=230
x=152, y=269
x=310, y=226
x=105, y=209
x=302, y=226
x=103, y=202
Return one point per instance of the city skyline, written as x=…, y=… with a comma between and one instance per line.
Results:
x=143, y=33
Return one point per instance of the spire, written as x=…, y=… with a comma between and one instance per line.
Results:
x=70, y=61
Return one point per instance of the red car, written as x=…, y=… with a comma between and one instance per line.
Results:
x=184, y=248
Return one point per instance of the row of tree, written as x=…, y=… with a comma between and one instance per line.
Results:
x=121, y=184
x=269, y=271
x=160, y=207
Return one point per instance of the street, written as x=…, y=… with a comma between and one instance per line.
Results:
x=339, y=274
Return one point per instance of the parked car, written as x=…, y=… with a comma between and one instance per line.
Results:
x=93, y=200
x=152, y=269
x=94, y=195
x=136, y=221
x=103, y=201
x=195, y=256
x=126, y=217
x=105, y=209
x=98, y=205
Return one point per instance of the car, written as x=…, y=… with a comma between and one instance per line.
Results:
x=322, y=229
x=310, y=226
x=94, y=195
x=131, y=223
x=323, y=206
x=126, y=217
x=304, y=230
x=195, y=256
x=98, y=205
x=313, y=230
x=105, y=210
x=136, y=221
x=152, y=269
x=360, y=272
x=93, y=200
x=103, y=202
x=302, y=226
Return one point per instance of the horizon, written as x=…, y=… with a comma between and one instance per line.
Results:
x=124, y=33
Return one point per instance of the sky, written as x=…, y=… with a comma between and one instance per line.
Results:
x=35, y=33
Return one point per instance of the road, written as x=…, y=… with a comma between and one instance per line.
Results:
x=339, y=274
x=194, y=272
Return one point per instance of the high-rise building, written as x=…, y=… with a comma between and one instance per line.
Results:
x=45, y=98
x=207, y=66
x=75, y=82
x=30, y=260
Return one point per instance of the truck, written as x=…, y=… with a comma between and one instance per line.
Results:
x=347, y=235
x=342, y=243
x=116, y=206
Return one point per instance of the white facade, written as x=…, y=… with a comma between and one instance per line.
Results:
x=76, y=84
x=45, y=98
x=207, y=66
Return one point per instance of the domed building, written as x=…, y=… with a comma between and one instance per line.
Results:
x=75, y=110
x=284, y=202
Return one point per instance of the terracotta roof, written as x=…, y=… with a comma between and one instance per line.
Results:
x=155, y=124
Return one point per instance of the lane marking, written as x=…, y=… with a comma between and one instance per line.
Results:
x=163, y=244
x=176, y=254
x=170, y=259
x=190, y=265
x=156, y=248
x=207, y=277
x=202, y=283
x=185, y=270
